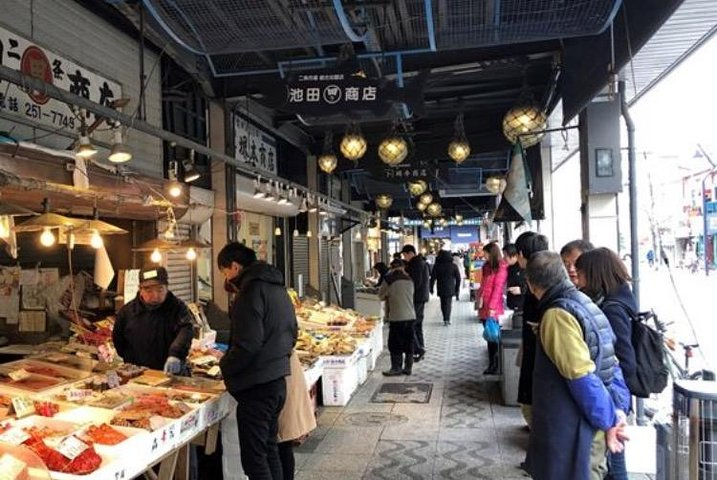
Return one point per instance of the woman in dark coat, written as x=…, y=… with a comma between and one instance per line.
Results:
x=446, y=273
x=603, y=277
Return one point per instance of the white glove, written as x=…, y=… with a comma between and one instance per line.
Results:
x=172, y=365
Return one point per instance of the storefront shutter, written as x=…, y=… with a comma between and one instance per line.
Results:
x=300, y=261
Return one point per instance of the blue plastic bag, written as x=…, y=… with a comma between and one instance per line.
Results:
x=491, y=330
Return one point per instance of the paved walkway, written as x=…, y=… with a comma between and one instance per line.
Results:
x=463, y=432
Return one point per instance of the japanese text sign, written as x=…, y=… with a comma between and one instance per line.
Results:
x=254, y=146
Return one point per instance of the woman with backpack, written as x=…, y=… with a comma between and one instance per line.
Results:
x=603, y=277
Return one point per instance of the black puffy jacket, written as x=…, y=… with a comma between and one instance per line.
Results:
x=446, y=273
x=146, y=337
x=263, y=329
x=420, y=273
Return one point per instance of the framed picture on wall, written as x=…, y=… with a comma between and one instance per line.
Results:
x=604, y=162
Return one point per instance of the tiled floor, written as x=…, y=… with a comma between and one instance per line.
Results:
x=464, y=432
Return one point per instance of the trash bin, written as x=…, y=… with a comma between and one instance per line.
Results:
x=510, y=371
x=694, y=430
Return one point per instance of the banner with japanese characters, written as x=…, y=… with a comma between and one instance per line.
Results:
x=37, y=61
x=404, y=172
x=326, y=92
x=254, y=146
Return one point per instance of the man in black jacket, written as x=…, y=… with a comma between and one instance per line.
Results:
x=420, y=273
x=155, y=329
x=263, y=334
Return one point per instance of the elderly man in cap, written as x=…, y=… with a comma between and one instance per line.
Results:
x=155, y=329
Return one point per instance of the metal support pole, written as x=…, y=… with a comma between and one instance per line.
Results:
x=705, y=226
x=634, y=245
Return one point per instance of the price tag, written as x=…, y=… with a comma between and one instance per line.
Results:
x=19, y=374
x=14, y=436
x=10, y=467
x=113, y=380
x=23, y=406
x=71, y=447
x=215, y=371
x=76, y=394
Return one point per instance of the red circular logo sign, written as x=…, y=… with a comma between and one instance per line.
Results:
x=35, y=64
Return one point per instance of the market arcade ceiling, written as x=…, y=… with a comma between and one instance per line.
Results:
x=429, y=60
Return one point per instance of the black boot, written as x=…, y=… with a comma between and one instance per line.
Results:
x=492, y=359
x=396, y=361
x=408, y=364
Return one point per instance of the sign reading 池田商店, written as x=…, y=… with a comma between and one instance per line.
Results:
x=253, y=146
x=36, y=61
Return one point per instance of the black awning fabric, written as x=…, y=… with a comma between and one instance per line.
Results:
x=586, y=60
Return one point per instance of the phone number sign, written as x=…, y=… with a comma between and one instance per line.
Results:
x=21, y=54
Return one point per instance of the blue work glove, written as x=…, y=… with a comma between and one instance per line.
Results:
x=172, y=365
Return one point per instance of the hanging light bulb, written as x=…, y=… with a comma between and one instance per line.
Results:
x=277, y=231
x=120, y=153
x=308, y=234
x=191, y=174
x=459, y=149
x=85, y=149
x=417, y=187
x=174, y=188
x=258, y=190
x=96, y=240
x=393, y=150
x=492, y=184
x=327, y=160
x=71, y=240
x=434, y=209
x=191, y=254
x=353, y=144
x=156, y=256
x=358, y=237
x=525, y=122
x=47, y=238
x=384, y=201
x=296, y=232
x=421, y=206
x=426, y=198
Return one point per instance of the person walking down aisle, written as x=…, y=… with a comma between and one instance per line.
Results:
x=604, y=278
x=458, y=261
x=155, y=329
x=528, y=243
x=490, y=299
x=448, y=277
x=263, y=334
x=420, y=272
x=579, y=395
x=397, y=290
x=296, y=419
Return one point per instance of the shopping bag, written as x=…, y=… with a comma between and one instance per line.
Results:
x=491, y=330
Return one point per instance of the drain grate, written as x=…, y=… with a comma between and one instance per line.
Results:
x=373, y=419
x=403, y=393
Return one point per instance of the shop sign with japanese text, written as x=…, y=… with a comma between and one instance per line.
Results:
x=404, y=172
x=326, y=92
x=253, y=146
x=33, y=60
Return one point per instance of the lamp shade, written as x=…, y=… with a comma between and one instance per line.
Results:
x=426, y=198
x=327, y=162
x=384, y=201
x=12, y=210
x=492, y=184
x=353, y=144
x=393, y=150
x=525, y=122
x=459, y=150
x=434, y=209
x=417, y=187
x=48, y=220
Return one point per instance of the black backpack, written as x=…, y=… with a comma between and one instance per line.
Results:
x=651, y=367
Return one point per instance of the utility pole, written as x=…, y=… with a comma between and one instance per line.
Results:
x=705, y=223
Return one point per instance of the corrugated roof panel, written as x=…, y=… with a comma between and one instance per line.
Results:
x=693, y=23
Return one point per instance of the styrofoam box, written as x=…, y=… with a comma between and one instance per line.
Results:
x=362, y=367
x=135, y=449
x=377, y=345
x=339, y=361
x=338, y=384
